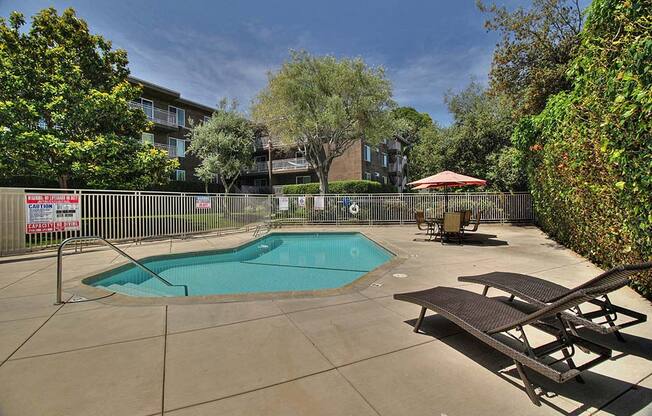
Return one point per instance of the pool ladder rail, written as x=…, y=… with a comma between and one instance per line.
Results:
x=262, y=229
x=106, y=243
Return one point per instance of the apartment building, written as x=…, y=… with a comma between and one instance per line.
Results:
x=171, y=116
x=385, y=163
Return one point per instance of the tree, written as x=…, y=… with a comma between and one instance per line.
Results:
x=64, y=106
x=531, y=60
x=409, y=122
x=323, y=105
x=476, y=144
x=224, y=144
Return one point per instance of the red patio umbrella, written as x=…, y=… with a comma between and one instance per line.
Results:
x=446, y=179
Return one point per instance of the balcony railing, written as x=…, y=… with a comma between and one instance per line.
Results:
x=279, y=165
x=393, y=145
x=171, y=150
x=157, y=115
x=298, y=163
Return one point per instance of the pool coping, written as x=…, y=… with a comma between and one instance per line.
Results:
x=118, y=299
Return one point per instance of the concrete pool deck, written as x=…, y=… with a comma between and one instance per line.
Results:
x=352, y=353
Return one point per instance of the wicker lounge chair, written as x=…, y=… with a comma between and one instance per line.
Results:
x=451, y=226
x=490, y=320
x=420, y=218
x=541, y=292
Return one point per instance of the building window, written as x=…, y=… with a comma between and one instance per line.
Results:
x=180, y=114
x=147, y=138
x=302, y=179
x=207, y=119
x=260, y=182
x=298, y=155
x=259, y=159
x=385, y=180
x=177, y=147
x=367, y=153
x=367, y=176
x=180, y=175
x=148, y=107
x=385, y=159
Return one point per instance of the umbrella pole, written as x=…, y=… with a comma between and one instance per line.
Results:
x=445, y=198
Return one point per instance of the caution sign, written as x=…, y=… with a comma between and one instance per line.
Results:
x=52, y=212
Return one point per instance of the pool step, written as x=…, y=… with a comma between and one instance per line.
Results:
x=137, y=290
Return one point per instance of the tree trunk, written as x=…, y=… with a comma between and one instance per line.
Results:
x=63, y=181
x=322, y=174
x=206, y=187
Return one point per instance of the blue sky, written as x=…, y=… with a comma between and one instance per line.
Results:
x=212, y=49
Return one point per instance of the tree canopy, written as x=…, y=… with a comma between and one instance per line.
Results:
x=476, y=144
x=64, y=106
x=537, y=45
x=323, y=105
x=224, y=144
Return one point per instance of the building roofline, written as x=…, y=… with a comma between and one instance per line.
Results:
x=198, y=105
x=168, y=91
x=154, y=86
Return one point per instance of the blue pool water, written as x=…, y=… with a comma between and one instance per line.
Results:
x=275, y=263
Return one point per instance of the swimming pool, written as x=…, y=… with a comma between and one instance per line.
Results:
x=278, y=262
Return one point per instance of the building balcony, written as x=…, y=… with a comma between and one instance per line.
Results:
x=157, y=115
x=398, y=165
x=393, y=146
x=281, y=165
x=171, y=150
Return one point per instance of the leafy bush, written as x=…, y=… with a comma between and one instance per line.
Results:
x=589, y=153
x=340, y=187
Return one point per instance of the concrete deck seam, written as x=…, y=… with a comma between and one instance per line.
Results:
x=165, y=350
x=263, y=317
x=332, y=364
x=34, y=333
x=302, y=377
x=25, y=277
x=618, y=396
x=89, y=347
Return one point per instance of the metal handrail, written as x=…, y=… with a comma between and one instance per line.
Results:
x=103, y=240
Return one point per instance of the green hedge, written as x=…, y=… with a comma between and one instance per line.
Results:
x=589, y=152
x=340, y=187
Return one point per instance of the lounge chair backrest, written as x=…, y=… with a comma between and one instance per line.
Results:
x=419, y=216
x=617, y=277
x=603, y=284
x=452, y=222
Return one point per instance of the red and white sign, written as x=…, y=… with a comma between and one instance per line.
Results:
x=52, y=212
x=203, y=202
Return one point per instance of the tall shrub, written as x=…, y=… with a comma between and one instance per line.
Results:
x=590, y=151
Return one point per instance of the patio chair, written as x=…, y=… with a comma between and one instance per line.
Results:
x=491, y=321
x=451, y=226
x=420, y=218
x=541, y=293
x=467, y=217
x=476, y=224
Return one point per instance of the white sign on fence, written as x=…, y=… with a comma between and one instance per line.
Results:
x=283, y=203
x=52, y=212
x=301, y=201
x=203, y=202
x=319, y=203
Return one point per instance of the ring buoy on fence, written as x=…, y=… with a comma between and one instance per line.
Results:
x=354, y=209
